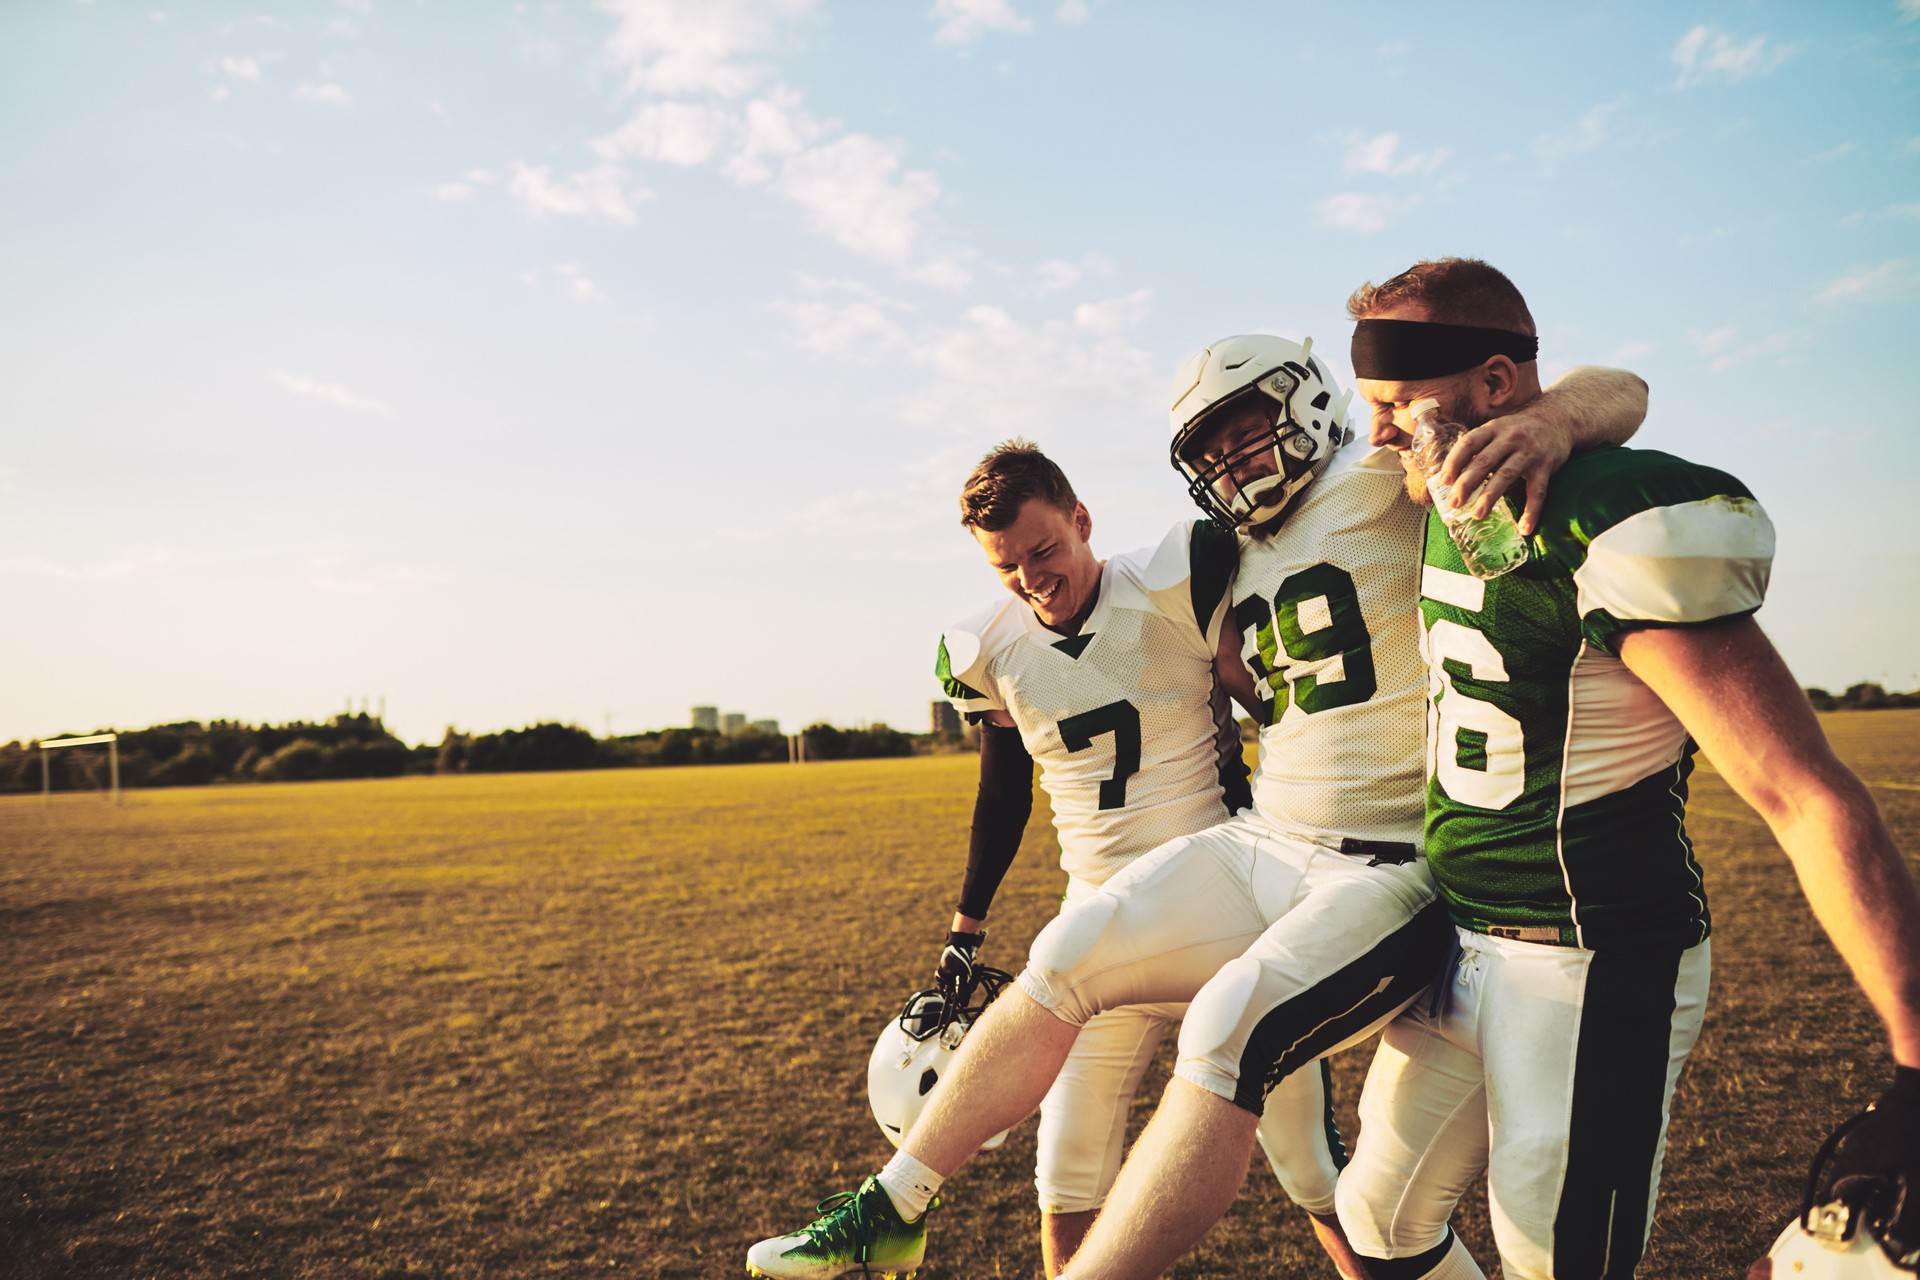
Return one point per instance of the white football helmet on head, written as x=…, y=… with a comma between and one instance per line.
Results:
x=914, y=1050
x=1247, y=475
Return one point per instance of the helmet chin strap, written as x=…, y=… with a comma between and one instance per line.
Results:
x=1266, y=491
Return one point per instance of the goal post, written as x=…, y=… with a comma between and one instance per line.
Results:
x=112, y=741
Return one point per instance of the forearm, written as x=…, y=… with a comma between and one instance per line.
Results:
x=1864, y=896
x=1001, y=808
x=1596, y=406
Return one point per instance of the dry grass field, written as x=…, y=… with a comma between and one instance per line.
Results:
x=617, y=1023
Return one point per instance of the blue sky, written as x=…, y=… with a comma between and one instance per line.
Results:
x=588, y=361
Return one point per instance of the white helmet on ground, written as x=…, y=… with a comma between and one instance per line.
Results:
x=1305, y=422
x=1843, y=1229
x=914, y=1050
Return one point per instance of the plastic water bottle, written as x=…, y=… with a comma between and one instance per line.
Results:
x=1491, y=545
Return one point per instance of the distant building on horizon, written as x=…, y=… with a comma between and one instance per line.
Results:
x=946, y=717
x=707, y=718
x=766, y=726
x=733, y=722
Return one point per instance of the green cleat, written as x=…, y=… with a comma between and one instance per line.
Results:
x=858, y=1233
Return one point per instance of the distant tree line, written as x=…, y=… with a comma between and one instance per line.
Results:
x=359, y=746
x=1861, y=697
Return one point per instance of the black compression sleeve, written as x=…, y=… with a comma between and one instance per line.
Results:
x=1000, y=814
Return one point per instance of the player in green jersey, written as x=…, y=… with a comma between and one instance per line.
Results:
x=1566, y=701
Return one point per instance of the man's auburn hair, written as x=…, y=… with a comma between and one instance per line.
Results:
x=1450, y=291
x=1010, y=476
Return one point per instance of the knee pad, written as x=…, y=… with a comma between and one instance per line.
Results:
x=1058, y=960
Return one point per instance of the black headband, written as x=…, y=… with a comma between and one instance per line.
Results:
x=1413, y=350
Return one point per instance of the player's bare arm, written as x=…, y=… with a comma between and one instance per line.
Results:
x=1587, y=408
x=1736, y=697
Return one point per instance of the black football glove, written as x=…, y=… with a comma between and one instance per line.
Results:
x=953, y=973
x=1877, y=1167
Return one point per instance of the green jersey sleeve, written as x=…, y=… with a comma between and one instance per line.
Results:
x=1655, y=541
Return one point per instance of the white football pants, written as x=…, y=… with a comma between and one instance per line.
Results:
x=1083, y=1121
x=1551, y=1067
x=1288, y=950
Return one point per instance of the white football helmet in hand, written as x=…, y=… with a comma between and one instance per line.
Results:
x=914, y=1050
x=1848, y=1220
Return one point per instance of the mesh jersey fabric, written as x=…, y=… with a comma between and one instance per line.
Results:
x=1121, y=717
x=1328, y=611
x=1556, y=805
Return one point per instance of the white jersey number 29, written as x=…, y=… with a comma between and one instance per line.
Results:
x=1315, y=617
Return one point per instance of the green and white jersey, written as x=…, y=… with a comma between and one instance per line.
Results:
x=1329, y=615
x=1558, y=781
x=1122, y=718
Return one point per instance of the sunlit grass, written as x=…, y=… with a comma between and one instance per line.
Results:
x=618, y=1022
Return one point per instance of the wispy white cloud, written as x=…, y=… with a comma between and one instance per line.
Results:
x=1358, y=211
x=1584, y=134
x=1909, y=10
x=861, y=329
x=1895, y=278
x=682, y=133
x=706, y=104
x=964, y=20
x=992, y=368
x=1909, y=212
x=603, y=191
x=1057, y=275
x=1831, y=154
x=855, y=191
x=579, y=286
x=324, y=93
x=1072, y=11
x=462, y=187
x=1623, y=356
x=241, y=68
x=1723, y=349
x=1111, y=315
x=1707, y=55
x=697, y=46
x=1381, y=154
x=358, y=6
x=332, y=393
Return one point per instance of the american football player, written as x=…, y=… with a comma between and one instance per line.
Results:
x=1102, y=672
x=1566, y=701
x=1293, y=928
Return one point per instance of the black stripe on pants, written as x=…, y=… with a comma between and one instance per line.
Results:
x=1295, y=1032
x=1619, y=1091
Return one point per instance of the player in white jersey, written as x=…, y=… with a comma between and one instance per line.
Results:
x=1108, y=684
x=1292, y=930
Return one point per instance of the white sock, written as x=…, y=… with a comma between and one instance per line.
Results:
x=909, y=1184
x=1457, y=1265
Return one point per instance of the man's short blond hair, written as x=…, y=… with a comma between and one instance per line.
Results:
x=1450, y=291
x=1014, y=473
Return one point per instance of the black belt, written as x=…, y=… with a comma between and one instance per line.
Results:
x=1393, y=852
